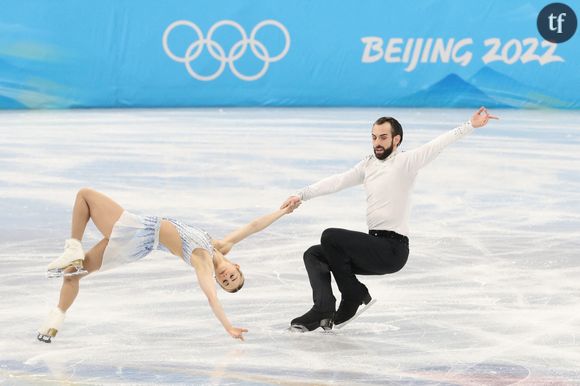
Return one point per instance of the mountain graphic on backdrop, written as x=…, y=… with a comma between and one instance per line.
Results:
x=507, y=90
x=451, y=91
x=9, y=103
x=487, y=87
x=9, y=74
x=20, y=88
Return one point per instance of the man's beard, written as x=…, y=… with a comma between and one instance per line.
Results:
x=386, y=152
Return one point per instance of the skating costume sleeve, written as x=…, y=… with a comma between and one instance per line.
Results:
x=335, y=183
x=422, y=155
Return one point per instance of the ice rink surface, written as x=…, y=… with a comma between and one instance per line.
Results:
x=490, y=295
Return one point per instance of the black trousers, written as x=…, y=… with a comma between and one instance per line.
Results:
x=346, y=254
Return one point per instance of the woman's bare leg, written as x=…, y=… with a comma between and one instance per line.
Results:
x=93, y=205
x=70, y=285
x=89, y=205
x=104, y=212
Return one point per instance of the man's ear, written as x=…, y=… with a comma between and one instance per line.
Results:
x=397, y=140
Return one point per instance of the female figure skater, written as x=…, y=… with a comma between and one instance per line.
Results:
x=128, y=237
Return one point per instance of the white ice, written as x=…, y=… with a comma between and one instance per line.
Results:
x=490, y=294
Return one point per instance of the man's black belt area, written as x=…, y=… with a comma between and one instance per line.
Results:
x=389, y=235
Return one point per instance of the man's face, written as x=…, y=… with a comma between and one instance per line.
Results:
x=383, y=141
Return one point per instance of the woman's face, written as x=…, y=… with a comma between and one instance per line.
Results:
x=229, y=277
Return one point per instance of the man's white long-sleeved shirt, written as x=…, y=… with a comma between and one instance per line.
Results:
x=388, y=183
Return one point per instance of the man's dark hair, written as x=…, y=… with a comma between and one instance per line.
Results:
x=396, y=128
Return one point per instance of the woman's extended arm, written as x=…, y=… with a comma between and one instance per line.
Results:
x=256, y=225
x=206, y=282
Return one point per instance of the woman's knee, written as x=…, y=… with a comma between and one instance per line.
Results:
x=91, y=264
x=85, y=192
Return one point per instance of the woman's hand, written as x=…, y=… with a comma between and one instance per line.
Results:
x=290, y=205
x=236, y=332
x=292, y=202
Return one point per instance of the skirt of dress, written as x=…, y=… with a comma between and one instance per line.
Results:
x=133, y=237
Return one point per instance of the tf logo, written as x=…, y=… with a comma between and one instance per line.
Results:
x=557, y=22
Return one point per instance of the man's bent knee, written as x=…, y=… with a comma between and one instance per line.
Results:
x=310, y=253
x=330, y=235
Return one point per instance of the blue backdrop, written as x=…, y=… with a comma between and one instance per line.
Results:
x=448, y=53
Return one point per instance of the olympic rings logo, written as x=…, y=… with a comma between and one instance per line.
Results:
x=218, y=53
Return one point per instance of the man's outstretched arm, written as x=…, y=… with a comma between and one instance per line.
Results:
x=328, y=185
x=422, y=155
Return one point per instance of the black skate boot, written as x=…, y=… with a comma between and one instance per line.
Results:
x=311, y=320
x=347, y=310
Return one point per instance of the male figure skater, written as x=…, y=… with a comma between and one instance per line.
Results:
x=388, y=177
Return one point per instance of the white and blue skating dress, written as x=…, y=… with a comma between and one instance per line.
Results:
x=134, y=237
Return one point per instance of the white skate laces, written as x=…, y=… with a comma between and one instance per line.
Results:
x=51, y=325
x=72, y=257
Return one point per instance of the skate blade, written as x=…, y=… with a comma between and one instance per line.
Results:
x=51, y=273
x=301, y=329
x=58, y=272
x=339, y=326
x=78, y=272
x=325, y=324
x=44, y=338
x=297, y=328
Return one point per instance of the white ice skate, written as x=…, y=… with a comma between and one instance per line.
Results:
x=51, y=325
x=72, y=256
